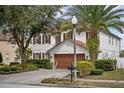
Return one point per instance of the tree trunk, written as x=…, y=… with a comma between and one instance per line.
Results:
x=23, y=59
x=93, y=50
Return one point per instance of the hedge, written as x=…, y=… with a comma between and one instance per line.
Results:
x=14, y=63
x=1, y=57
x=84, y=67
x=106, y=64
x=97, y=72
x=43, y=63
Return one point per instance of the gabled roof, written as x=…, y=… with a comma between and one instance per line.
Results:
x=76, y=41
x=111, y=34
x=80, y=43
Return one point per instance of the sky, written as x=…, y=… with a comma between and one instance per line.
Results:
x=119, y=34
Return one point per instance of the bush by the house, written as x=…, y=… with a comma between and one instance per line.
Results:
x=5, y=68
x=1, y=58
x=14, y=68
x=84, y=67
x=32, y=67
x=44, y=63
x=14, y=63
x=1, y=64
x=97, y=72
x=105, y=64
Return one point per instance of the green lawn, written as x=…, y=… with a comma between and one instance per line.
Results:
x=66, y=82
x=108, y=75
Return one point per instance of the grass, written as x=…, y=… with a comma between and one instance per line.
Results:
x=108, y=75
x=81, y=83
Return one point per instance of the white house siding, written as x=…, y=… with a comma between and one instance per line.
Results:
x=81, y=37
x=67, y=48
x=42, y=48
x=108, y=50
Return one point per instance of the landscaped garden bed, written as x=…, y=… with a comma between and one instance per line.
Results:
x=67, y=82
x=16, y=68
x=105, y=70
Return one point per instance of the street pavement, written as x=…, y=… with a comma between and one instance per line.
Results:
x=29, y=79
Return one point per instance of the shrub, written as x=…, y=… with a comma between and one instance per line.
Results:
x=32, y=67
x=48, y=65
x=5, y=68
x=44, y=63
x=14, y=63
x=96, y=72
x=14, y=68
x=1, y=64
x=105, y=64
x=84, y=67
x=1, y=58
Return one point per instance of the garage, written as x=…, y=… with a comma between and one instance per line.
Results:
x=64, y=60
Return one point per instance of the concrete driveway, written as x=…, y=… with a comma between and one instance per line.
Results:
x=30, y=78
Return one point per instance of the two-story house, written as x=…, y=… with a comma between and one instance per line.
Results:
x=59, y=48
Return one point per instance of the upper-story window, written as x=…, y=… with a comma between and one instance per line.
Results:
x=37, y=40
x=68, y=36
x=46, y=39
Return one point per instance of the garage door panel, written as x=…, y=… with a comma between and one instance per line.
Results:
x=65, y=60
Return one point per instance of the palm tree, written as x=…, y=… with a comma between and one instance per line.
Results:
x=95, y=18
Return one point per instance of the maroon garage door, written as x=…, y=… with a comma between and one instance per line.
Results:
x=64, y=60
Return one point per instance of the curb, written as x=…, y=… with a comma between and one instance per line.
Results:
x=65, y=86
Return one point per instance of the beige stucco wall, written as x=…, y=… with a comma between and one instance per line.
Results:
x=8, y=52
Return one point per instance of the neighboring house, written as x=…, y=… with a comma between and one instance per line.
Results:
x=6, y=48
x=59, y=48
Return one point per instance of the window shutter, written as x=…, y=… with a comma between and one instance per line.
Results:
x=64, y=36
x=43, y=55
x=39, y=55
x=39, y=39
x=42, y=39
x=33, y=55
x=86, y=35
x=49, y=39
x=33, y=40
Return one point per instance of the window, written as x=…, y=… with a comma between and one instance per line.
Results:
x=109, y=39
x=37, y=40
x=46, y=39
x=58, y=39
x=36, y=55
x=68, y=36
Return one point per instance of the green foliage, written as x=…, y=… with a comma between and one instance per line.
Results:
x=97, y=72
x=25, y=22
x=14, y=63
x=32, y=67
x=84, y=67
x=28, y=54
x=14, y=68
x=122, y=53
x=95, y=18
x=1, y=58
x=93, y=42
x=106, y=64
x=5, y=68
x=44, y=63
